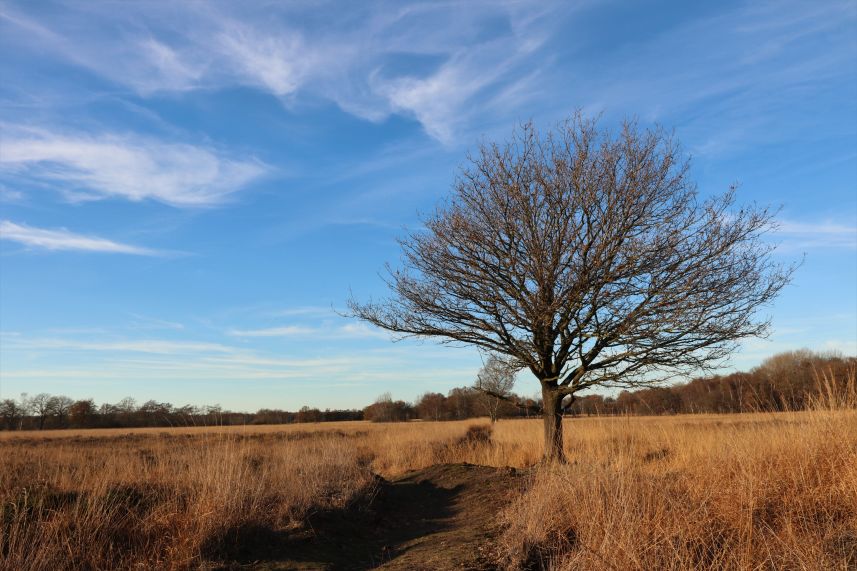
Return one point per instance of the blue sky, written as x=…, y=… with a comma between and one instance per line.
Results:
x=189, y=190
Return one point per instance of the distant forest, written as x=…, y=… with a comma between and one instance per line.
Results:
x=788, y=381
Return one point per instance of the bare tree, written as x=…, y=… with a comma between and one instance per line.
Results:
x=431, y=406
x=588, y=258
x=11, y=413
x=59, y=409
x=495, y=381
x=41, y=406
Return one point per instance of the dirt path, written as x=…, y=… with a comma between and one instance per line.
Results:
x=443, y=517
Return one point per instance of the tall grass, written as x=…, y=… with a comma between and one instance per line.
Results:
x=759, y=491
x=165, y=502
x=835, y=393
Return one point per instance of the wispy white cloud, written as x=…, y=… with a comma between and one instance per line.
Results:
x=29, y=360
x=437, y=100
x=351, y=57
x=278, y=63
x=10, y=196
x=302, y=311
x=327, y=331
x=77, y=331
x=90, y=167
x=460, y=69
x=165, y=66
x=319, y=375
x=827, y=234
x=362, y=331
x=153, y=346
x=147, y=64
x=65, y=240
x=284, y=331
x=730, y=77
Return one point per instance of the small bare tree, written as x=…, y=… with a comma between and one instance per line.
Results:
x=495, y=381
x=588, y=258
x=59, y=408
x=11, y=413
x=41, y=406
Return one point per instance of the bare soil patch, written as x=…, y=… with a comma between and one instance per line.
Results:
x=442, y=517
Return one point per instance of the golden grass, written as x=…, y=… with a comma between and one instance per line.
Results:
x=755, y=491
x=761, y=491
x=162, y=501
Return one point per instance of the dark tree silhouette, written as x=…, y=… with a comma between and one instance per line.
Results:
x=11, y=413
x=588, y=258
x=42, y=406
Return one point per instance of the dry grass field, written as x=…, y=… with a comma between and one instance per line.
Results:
x=755, y=491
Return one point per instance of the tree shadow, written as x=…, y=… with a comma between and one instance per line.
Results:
x=362, y=536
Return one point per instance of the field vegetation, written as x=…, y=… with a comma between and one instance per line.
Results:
x=741, y=491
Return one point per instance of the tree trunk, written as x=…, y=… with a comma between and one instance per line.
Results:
x=552, y=403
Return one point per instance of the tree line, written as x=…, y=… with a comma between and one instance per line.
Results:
x=45, y=411
x=787, y=381
x=458, y=404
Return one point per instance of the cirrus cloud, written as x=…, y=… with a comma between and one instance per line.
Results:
x=96, y=166
x=360, y=59
x=63, y=239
